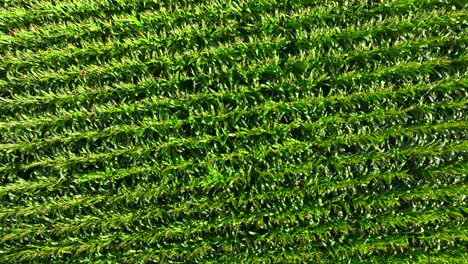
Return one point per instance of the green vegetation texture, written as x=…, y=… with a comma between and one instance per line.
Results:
x=244, y=131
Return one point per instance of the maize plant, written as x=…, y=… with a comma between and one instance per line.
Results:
x=233, y=131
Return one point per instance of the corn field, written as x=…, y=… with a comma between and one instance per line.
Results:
x=233, y=131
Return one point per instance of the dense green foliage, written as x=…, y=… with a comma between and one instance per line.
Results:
x=241, y=131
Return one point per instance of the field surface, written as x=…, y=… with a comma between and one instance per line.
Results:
x=246, y=131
